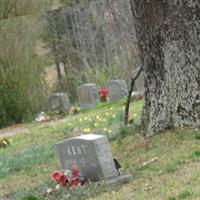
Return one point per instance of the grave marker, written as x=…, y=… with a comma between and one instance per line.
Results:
x=117, y=89
x=59, y=101
x=90, y=154
x=88, y=95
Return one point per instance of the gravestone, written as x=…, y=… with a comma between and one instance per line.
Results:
x=139, y=83
x=88, y=95
x=90, y=154
x=59, y=101
x=117, y=89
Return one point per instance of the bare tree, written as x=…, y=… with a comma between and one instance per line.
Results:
x=168, y=34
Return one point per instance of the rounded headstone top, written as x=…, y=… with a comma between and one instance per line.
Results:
x=89, y=137
x=87, y=85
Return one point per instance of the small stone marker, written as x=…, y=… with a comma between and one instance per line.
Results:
x=139, y=83
x=59, y=101
x=90, y=154
x=88, y=95
x=117, y=89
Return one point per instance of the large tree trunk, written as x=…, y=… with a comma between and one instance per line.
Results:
x=168, y=33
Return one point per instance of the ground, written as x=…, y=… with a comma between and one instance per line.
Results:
x=164, y=167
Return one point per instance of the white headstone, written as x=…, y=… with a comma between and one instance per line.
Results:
x=117, y=89
x=59, y=101
x=90, y=154
x=88, y=95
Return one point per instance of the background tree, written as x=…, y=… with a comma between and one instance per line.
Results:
x=168, y=34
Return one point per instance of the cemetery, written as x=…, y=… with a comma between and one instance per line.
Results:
x=43, y=149
x=99, y=100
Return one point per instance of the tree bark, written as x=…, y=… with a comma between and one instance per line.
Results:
x=168, y=34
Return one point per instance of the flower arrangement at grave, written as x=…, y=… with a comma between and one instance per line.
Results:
x=71, y=177
x=103, y=94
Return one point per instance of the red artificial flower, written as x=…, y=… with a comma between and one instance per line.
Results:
x=75, y=172
x=75, y=181
x=103, y=92
x=60, y=178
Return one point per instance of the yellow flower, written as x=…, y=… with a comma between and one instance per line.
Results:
x=114, y=116
x=111, y=108
x=97, y=117
x=95, y=124
x=5, y=142
x=109, y=131
x=69, y=124
x=135, y=115
x=86, y=130
x=107, y=113
x=80, y=120
x=100, y=119
x=85, y=118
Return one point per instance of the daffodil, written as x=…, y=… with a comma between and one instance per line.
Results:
x=86, y=130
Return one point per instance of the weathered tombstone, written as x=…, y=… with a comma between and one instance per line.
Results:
x=90, y=154
x=88, y=95
x=139, y=83
x=59, y=101
x=117, y=89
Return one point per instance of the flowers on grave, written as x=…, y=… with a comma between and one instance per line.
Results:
x=71, y=177
x=103, y=94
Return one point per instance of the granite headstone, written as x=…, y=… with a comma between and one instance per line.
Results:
x=90, y=154
x=59, y=101
x=88, y=95
x=117, y=89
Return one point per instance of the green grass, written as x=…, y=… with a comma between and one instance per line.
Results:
x=184, y=195
x=31, y=158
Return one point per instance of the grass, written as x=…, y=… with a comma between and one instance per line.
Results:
x=174, y=174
